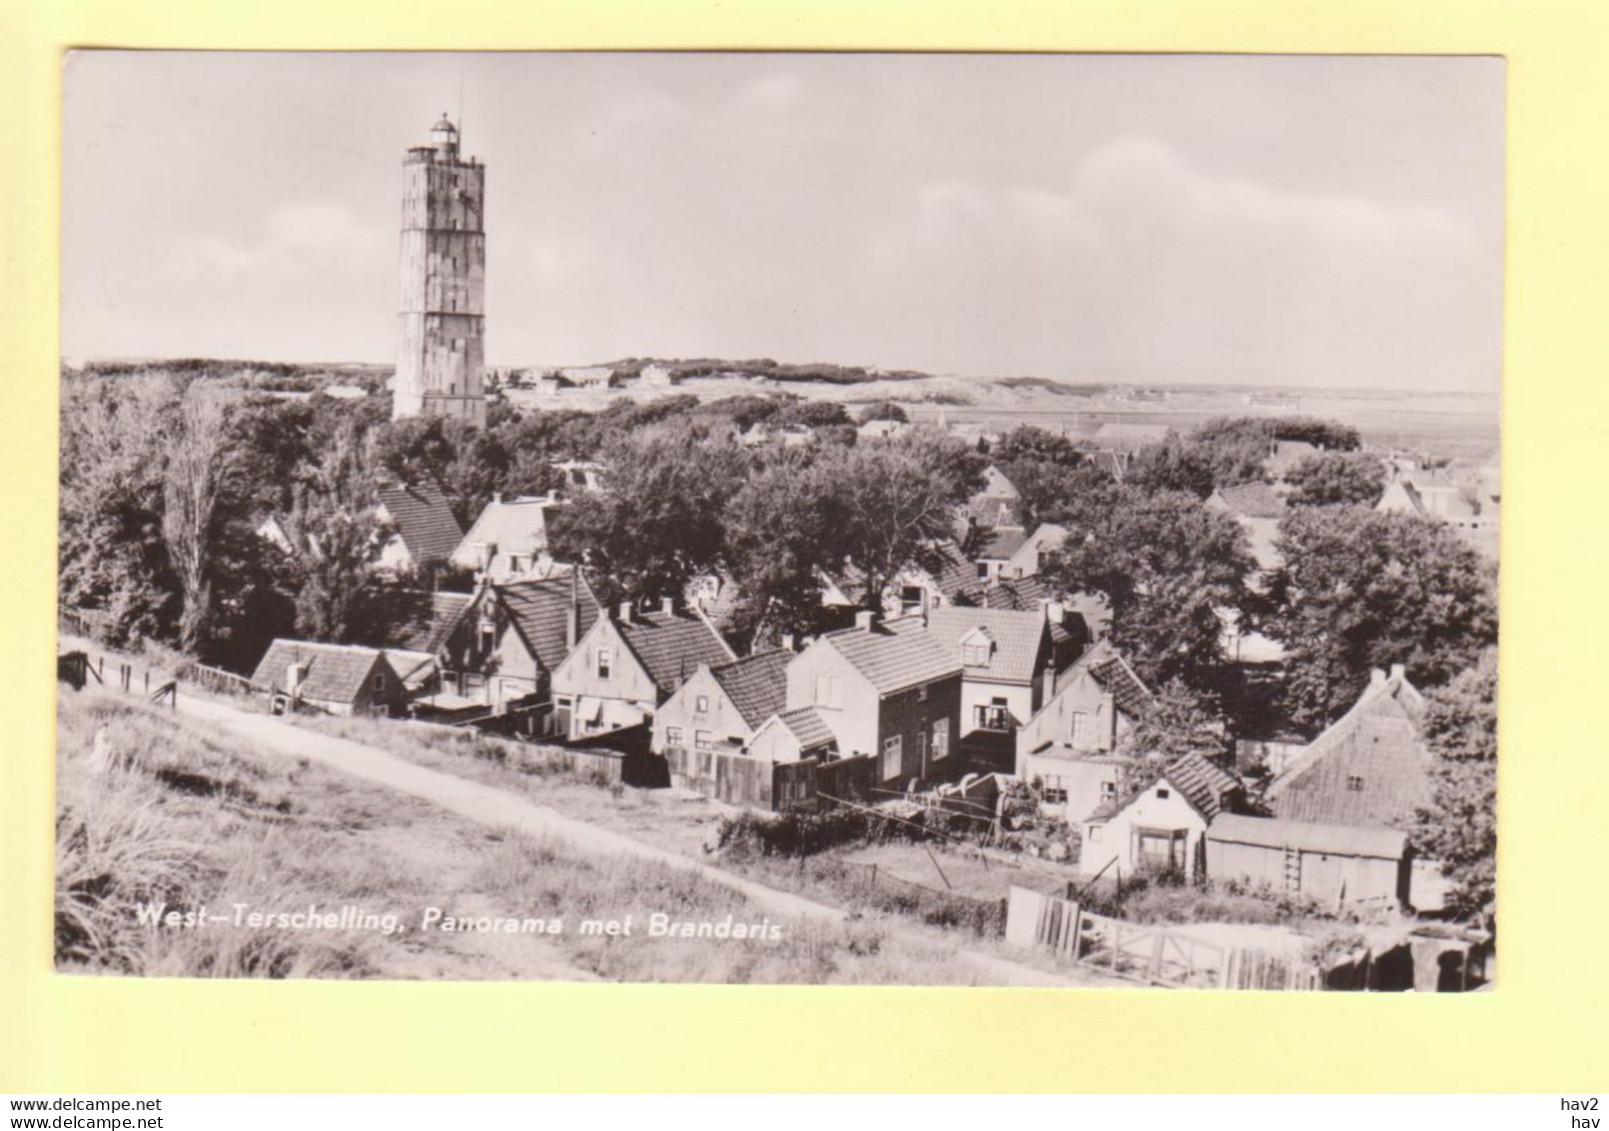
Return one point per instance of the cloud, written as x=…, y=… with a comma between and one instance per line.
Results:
x=1143, y=266
x=289, y=240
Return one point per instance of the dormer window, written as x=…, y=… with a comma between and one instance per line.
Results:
x=976, y=648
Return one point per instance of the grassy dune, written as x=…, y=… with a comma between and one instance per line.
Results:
x=153, y=810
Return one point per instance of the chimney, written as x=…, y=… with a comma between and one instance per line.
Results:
x=667, y=605
x=294, y=673
x=1378, y=677
x=865, y=619
x=625, y=612
x=787, y=642
x=1056, y=611
x=1050, y=684
x=1398, y=672
x=497, y=496
x=572, y=615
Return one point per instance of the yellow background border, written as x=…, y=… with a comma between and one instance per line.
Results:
x=1542, y=1030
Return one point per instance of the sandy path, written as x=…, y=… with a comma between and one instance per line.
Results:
x=488, y=805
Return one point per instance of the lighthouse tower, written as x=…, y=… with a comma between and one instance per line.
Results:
x=443, y=318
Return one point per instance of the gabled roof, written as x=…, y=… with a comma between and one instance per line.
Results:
x=333, y=673
x=997, y=485
x=1341, y=840
x=1017, y=638
x=1200, y=782
x=514, y=526
x=1251, y=500
x=1383, y=727
x=423, y=520
x=671, y=647
x=431, y=623
x=1108, y=668
x=539, y=610
x=1023, y=593
x=893, y=661
x=955, y=572
x=757, y=685
x=808, y=727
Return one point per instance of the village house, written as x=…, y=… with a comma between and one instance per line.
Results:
x=893, y=695
x=524, y=631
x=1257, y=507
x=882, y=429
x=1160, y=821
x=426, y=532
x=628, y=664
x=590, y=376
x=1283, y=455
x=914, y=589
x=1005, y=659
x=1025, y=561
x=996, y=502
x=339, y=679
x=721, y=707
x=794, y=735
x=1433, y=494
x=1067, y=746
x=509, y=539
x=1371, y=767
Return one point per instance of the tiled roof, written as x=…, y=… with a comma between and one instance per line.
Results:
x=1341, y=840
x=807, y=726
x=332, y=673
x=539, y=610
x=1252, y=500
x=423, y=520
x=1021, y=593
x=1112, y=672
x=892, y=661
x=514, y=526
x=1377, y=741
x=671, y=647
x=955, y=572
x=1200, y=782
x=1017, y=637
x=1003, y=543
x=757, y=685
x=429, y=624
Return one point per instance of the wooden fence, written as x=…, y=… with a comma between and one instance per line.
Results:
x=881, y=888
x=218, y=679
x=1147, y=952
x=736, y=778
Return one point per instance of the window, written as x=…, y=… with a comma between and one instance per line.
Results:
x=701, y=739
x=941, y=738
x=1083, y=730
x=975, y=653
x=891, y=756
x=1055, y=789
x=701, y=704
x=488, y=636
x=993, y=716
x=673, y=736
x=983, y=571
x=1161, y=848
x=826, y=691
x=1108, y=790
x=606, y=659
x=1354, y=784
x=565, y=701
x=910, y=597
x=1162, y=794
x=379, y=682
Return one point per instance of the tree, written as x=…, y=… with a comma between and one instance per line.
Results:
x=1173, y=465
x=194, y=483
x=468, y=463
x=1459, y=826
x=1028, y=444
x=786, y=527
x=1235, y=448
x=1177, y=720
x=898, y=503
x=337, y=538
x=110, y=551
x=1359, y=590
x=1337, y=479
x=1167, y=566
x=659, y=520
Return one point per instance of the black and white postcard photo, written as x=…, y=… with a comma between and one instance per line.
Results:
x=899, y=519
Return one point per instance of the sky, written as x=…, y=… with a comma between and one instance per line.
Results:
x=1300, y=221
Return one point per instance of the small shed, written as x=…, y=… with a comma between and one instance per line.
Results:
x=1334, y=864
